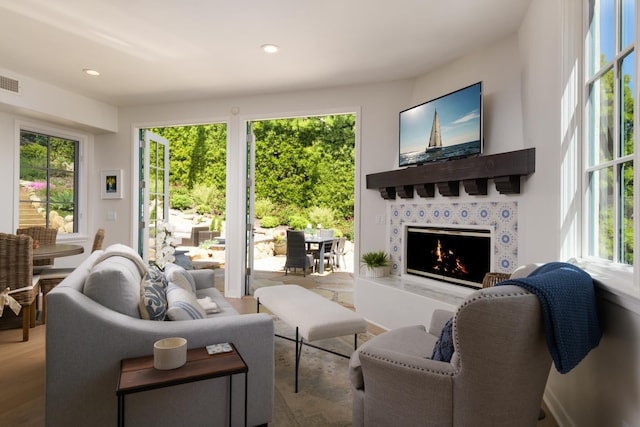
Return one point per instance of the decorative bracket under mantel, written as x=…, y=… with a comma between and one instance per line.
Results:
x=505, y=169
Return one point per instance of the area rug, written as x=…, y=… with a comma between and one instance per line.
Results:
x=324, y=391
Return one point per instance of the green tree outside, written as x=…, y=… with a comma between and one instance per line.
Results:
x=302, y=165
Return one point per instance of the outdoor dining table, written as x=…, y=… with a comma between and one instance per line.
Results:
x=57, y=250
x=322, y=243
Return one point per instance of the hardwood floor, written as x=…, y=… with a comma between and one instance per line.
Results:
x=22, y=374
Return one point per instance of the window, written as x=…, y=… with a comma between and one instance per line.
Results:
x=48, y=181
x=609, y=129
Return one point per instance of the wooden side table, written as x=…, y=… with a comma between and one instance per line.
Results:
x=138, y=374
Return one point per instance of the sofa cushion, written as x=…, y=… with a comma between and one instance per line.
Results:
x=411, y=340
x=178, y=275
x=115, y=283
x=183, y=305
x=153, y=299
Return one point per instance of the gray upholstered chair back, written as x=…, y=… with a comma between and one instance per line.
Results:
x=496, y=376
x=501, y=357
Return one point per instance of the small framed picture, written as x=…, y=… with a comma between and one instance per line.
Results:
x=111, y=184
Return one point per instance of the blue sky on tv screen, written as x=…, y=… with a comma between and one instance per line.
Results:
x=459, y=116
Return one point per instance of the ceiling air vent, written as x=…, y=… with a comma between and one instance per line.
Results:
x=7, y=83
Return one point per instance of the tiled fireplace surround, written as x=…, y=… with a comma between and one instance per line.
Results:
x=398, y=300
x=500, y=217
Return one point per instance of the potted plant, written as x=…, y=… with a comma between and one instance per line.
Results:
x=375, y=263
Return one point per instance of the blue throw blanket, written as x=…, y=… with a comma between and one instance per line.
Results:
x=567, y=297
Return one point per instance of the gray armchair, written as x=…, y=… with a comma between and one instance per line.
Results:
x=496, y=376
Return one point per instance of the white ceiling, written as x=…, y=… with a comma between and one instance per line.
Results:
x=151, y=51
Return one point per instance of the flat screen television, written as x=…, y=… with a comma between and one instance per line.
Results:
x=443, y=128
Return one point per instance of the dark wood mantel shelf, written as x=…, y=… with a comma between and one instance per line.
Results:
x=505, y=169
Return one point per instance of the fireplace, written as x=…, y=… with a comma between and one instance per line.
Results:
x=460, y=256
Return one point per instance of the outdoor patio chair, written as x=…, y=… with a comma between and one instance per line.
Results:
x=297, y=256
x=329, y=254
x=195, y=238
x=340, y=252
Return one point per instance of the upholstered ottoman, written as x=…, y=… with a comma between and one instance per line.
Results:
x=313, y=317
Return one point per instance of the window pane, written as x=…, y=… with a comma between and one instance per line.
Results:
x=626, y=250
x=62, y=154
x=153, y=184
x=33, y=182
x=601, y=215
x=601, y=120
x=160, y=209
x=153, y=152
x=33, y=155
x=627, y=101
x=48, y=182
x=600, y=37
x=154, y=210
x=160, y=183
x=161, y=159
x=628, y=23
x=61, y=198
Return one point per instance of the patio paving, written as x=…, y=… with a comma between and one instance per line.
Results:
x=335, y=285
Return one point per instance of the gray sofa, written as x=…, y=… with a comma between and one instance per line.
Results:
x=85, y=342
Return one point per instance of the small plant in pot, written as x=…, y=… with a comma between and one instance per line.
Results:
x=375, y=263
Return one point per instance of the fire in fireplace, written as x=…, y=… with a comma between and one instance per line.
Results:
x=456, y=255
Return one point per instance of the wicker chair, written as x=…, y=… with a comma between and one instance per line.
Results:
x=44, y=236
x=98, y=240
x=51, y=277
x=16, y=272
x=493, y=278
x=195, y=238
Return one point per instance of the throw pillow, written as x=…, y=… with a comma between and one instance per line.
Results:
x=153, y=299
x=178, y=275
x=183, y=304
x=443, y=350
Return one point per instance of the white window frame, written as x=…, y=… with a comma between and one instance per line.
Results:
x=81, y=173
x=617, y=282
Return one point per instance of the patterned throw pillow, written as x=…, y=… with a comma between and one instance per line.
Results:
x=178, y=275
x=443, y=350
x=153, y=300
x=183, y=305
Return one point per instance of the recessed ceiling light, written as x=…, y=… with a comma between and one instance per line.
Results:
x=270, y=48
x=91, y=72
